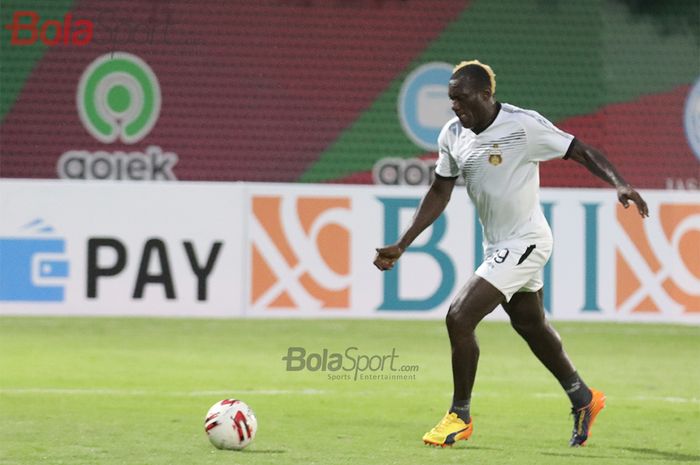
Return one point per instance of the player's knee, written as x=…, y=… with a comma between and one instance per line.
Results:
x=458, y=318
x=452, y=317
x=529, y=326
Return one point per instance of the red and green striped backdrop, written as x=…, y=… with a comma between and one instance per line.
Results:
x=307, y=90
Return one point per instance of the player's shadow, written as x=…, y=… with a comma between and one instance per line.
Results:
x=649, y=455
x=575, y=456
x=461, y=446
x=265, y=451
x=663, y=454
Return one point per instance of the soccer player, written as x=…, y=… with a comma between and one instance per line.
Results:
x=497, y=148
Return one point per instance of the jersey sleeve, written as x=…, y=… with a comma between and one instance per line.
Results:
x=445, y=166
x=545, y=141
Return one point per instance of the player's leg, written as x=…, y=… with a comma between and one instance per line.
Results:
x=474, y=301
x=526, y=314
x=527, y=317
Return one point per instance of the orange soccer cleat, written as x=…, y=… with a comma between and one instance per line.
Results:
x=584, y=418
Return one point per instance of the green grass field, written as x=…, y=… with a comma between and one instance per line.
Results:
x=134, y=391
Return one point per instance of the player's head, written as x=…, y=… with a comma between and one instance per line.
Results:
x=471, y=90
x=479, y=73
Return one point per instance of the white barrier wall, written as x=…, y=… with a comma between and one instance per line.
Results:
x=120, y=249
x=302, y=250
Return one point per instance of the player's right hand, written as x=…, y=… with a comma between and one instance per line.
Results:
x=626, y=193
x=387, y=256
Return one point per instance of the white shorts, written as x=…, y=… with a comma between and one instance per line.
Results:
x=516, y=265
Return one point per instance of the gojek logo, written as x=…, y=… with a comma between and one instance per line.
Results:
x=424, y=106
x=118, y=100
x=33, y=269
x=300, y=253
x=692, y=118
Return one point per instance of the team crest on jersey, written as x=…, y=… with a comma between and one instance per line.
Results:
x=495, y=155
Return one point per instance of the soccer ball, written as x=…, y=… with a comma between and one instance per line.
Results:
x=230, y=424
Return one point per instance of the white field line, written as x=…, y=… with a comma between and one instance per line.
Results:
x=144, y=392
x=286, y=392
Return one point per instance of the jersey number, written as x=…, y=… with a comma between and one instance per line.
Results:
x=501, y=255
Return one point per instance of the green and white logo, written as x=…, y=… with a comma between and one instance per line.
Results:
x=118, y=98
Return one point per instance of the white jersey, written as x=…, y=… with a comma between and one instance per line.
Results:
x=501, y=168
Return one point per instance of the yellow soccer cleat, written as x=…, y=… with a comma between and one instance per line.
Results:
x=450, y=429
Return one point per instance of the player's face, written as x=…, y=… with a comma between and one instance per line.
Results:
x=468, y=103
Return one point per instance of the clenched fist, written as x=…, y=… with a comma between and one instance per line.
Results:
x=387, y=256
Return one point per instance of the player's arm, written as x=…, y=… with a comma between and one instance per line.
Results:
x=432, y=205
x=599, y=165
